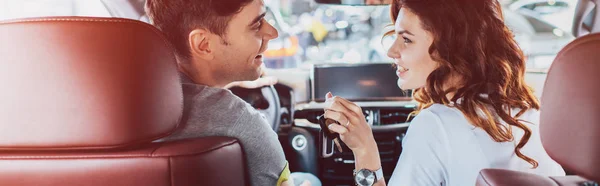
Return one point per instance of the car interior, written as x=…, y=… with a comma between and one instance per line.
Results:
x=87, y=113
x=87, y=94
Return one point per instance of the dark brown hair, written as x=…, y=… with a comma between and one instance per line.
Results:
x=472, y=42
x=177, y=18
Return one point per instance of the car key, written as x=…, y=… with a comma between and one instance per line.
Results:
x=325, y=122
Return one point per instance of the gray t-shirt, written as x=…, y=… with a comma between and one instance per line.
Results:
x=212, y=111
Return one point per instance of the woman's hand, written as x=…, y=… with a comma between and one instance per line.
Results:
x=354, y=131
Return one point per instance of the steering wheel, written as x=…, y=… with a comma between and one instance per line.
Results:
x=265, y=100
x=273, y=112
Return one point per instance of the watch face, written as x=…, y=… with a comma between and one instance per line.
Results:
x=364, y=177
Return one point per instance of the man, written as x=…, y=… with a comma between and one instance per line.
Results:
x=219, y=44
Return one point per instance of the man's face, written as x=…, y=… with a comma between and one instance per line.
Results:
x=239, y=56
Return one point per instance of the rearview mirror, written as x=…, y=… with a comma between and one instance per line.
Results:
x=355, y=2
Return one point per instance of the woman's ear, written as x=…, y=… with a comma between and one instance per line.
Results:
x=199, y=41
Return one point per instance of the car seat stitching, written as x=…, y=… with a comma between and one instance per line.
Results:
x=111, y=156
x=484, y=178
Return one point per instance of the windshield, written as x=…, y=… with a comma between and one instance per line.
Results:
x=354, y=34
x=312, y=33
x=332, y=34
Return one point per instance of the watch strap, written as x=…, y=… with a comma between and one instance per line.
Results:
x=378, y=174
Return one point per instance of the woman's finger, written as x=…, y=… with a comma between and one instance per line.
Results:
x=349, y=115
x=336, y=107
x=348, y=105
x=339, y=117
x=352, y=111
x=340, y=104
x=338, y=129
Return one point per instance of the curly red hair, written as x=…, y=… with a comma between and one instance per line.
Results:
x=472, y=42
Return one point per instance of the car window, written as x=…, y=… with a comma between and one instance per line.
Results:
x=548, y=7
x=539, y=26
x=354, y=34
x=270, y=17
x=312, y=33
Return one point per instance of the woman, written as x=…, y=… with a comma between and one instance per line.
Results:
x=475, y=110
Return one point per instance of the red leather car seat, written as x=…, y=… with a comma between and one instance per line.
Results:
x=83, y=99
x=570, y=119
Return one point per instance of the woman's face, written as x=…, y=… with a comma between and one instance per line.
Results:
x=410, y=51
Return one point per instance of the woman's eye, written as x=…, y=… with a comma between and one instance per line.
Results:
x=406, y=40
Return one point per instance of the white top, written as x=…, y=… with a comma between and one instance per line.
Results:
x=442, y=148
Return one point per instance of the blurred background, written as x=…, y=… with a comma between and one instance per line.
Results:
x=312, y=33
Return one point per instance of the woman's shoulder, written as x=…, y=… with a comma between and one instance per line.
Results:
x=442, y=110
x=441, y=113
x=530, y=116
x=429, y=127
x=448, y=113
x=433, y=116
x=449, y=118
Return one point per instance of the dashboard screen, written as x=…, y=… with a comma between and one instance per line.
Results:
x=360, y=82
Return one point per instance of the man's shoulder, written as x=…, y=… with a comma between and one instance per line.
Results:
x=213, y=112
x=219, y=104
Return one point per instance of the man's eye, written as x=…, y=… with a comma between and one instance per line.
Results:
x=258, y=25
x=406, y=40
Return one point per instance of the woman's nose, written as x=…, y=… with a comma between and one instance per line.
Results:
x=394, y=51
x=396, y=48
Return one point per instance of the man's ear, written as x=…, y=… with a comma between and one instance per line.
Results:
x=200, y=44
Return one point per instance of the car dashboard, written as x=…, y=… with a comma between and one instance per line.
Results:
x=371, y=86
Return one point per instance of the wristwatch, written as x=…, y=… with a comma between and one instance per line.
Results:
x=366, y=177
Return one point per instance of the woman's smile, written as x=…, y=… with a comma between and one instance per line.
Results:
x=401, y=72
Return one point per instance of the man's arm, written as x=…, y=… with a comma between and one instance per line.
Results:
x=266, y=161
x=264, y=154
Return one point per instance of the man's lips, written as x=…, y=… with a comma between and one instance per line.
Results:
x=262, y=50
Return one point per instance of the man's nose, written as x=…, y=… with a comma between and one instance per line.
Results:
x=270, y=32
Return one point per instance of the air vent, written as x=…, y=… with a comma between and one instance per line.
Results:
x=389, y=116
x=310, y=115
x=383, y=116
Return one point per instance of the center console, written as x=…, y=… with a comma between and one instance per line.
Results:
x=389, y=124
x=374, y=88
